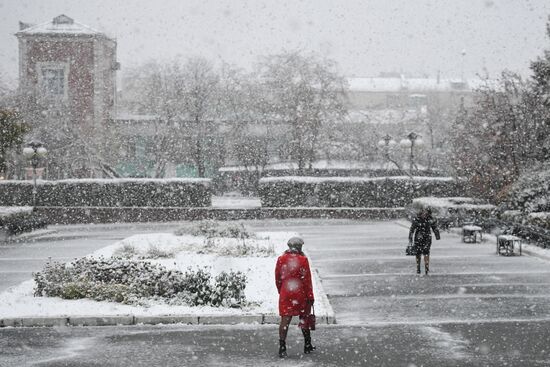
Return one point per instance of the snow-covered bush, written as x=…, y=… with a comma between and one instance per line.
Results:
x=21, y=222
x=155, y=252
x=353, y=191
x=213, y=229
x=229, y=289
x=134, y=282
x=530, y=193
x=527, y=201
x=237, y=248
x=539, y=219
x=127, y=251
x=454, y=211
x=109, y=193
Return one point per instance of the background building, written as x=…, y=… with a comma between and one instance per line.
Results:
x=70, y=68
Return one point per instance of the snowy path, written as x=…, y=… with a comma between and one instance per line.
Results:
x=369, y=280
x=475, y=309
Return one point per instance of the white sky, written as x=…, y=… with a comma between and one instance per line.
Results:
x=365, y=37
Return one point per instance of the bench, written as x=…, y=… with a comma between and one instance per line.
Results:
x=471, y=234
x=508, y=244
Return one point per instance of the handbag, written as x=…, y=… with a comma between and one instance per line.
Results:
x=308, y=321
x=410, y=250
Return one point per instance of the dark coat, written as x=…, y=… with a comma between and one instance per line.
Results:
x=421, y=231
x=293, y=280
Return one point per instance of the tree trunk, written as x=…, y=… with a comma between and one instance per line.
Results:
x=199, y=161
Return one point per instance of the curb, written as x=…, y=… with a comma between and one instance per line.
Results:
x=28, y=235
x=329, y=317
x=127, y=320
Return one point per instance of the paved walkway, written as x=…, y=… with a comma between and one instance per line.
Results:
x=475, y=309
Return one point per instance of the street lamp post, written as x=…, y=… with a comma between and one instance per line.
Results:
x=34, y=151
x=412, y=140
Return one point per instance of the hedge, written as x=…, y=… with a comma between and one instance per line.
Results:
x=16, y=220
x=109, y=193
x=454, y=211
x=377, y=192
x=246, y=181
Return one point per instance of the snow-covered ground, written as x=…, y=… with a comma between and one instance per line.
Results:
x=452, y=202
x=11, y=210
x=236, y=202
x=219, y=256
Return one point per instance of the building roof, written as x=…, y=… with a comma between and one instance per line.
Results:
x=61, y=24
x=386, y=116
x=413, y=84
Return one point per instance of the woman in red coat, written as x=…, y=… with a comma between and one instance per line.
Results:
x=293, y=280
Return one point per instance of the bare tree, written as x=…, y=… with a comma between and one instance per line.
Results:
x=247, y=117
x=307, y=95
x=200, y=98
x=155, y=91
x=183, y=98
x=74, y=150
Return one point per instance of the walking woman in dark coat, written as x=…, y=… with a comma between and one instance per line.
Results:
x=421, y=234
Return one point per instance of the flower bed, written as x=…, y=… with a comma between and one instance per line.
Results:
x=162, y=274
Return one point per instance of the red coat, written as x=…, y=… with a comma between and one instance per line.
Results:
x=293, y=280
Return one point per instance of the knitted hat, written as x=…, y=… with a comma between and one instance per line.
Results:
x=295, y=243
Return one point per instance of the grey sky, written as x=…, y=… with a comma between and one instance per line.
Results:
x=365, y=37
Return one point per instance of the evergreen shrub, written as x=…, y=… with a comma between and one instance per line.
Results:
x=136, y=282
x=375, y=192
x=109, y=193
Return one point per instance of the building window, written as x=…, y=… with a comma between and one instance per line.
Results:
x=417, y=100
x=53, y=79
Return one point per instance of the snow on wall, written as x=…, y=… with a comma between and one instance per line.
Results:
x=452, y=202
x=110, y=181
x=315, y=180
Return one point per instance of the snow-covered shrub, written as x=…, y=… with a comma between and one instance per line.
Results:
x=127, y=251
x=109, y=193
x=539, y=219
x=229, y=289
x=21, y=222
x=132, y=281
x=238, y=248
x=246, y=180
x=530, y=193
x=214, y=229
x=199, y=289
x=353, y=191
x=155, y=252
x=454, y=211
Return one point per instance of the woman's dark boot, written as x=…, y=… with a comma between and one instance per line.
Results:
x=427, y=269
x=308, y=348
x=282, y=349
x=418, y=265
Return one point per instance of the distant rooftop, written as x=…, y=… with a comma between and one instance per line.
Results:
x=61, y=24
x=396, y=84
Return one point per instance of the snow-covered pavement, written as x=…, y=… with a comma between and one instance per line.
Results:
x=475, y=309
x=369, y=280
